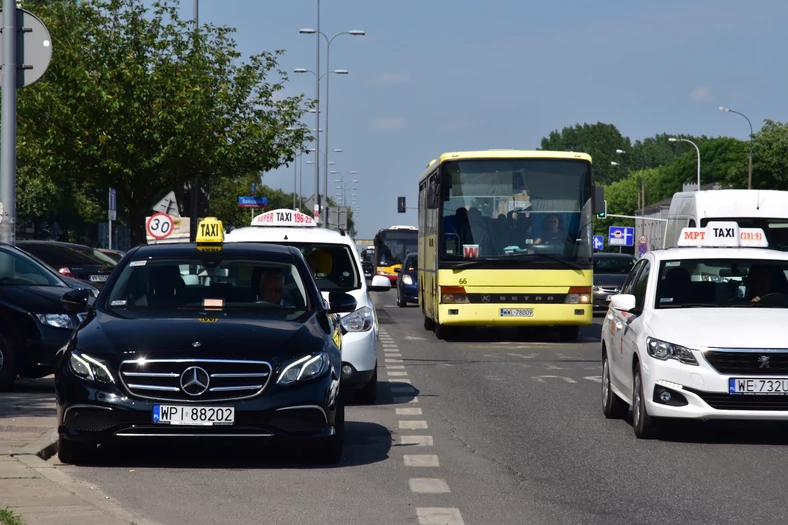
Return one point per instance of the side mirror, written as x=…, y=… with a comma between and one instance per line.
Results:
x=397, y=270
x=341, y=302
x=624, y=302
x=380, y=284
x=75, y=300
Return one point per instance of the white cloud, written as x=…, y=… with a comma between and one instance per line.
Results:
x=388, y=123
x=386, y=79
x=700, y=94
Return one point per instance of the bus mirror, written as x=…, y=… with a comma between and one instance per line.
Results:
x=598, y=203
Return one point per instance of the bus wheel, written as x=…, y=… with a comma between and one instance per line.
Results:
x=429, y=324
x=441, y=331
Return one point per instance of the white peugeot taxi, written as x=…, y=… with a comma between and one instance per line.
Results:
x=336, y=264
x=698, y=332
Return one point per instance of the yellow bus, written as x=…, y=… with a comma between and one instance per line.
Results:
x=505, y=239
x=391, y=246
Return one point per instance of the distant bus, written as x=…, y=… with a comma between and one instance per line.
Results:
x=391, y=246
x=505, y=239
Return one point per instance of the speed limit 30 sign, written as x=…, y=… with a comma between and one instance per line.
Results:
x=159, y=225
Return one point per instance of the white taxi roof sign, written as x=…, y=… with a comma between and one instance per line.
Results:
x=284, y=217
x=723, y=234
x=210, y=231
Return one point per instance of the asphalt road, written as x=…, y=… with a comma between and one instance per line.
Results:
x=493, y=430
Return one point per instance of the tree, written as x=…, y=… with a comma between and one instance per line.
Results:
x=136, y=100
x=598, y=140
x=770, y=157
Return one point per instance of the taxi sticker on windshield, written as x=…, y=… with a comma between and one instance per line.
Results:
x=672, y=263
x=121, y=302
x=666, y=300
x=213, y=303
x=138, y=263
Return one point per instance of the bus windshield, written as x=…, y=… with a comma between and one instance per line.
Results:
x=392, y=246
x=499, y=208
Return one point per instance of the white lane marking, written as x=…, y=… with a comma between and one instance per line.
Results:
x=408, y=411
x=398, y=373
x=598, y=379
x=414, y=338
x=439, y=516
x=418, y=441
x=400, y=380
x=400, y=399
x=395, y=367
x=412, y=425
x=393, y=354
x=567, y=379
x=528, y=356
x=421, y=460
x=428, y=485
x=393, y=360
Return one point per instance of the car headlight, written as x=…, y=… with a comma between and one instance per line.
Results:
x=664, y=351
x=407, y=279
x=56, y=320
x=359, y=321
x=89, y=368
x=307, y=367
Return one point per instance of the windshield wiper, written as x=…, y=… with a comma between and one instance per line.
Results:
x=516, y=258
x=696, y=305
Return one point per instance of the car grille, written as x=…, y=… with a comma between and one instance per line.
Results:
x=742, y=402
x=174, y=379
x=759, y=362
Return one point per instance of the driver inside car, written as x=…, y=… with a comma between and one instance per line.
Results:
x=763, y=280
x=552, y=230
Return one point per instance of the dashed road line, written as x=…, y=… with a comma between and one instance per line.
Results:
x=421, y=460
x=395, y=367
x=398, y=373
x=413, y=425
x=393, y=360
x=428, y=485
x=409, y=412
x=439, y=516
x=399, y=399
x=417, y=441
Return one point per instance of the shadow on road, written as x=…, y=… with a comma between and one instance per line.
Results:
x=727, y=432
x=393, y=392
x=29, y=398
x=535, y=334
x=365, y=443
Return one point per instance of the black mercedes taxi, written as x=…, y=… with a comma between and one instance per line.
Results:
x=204, y=340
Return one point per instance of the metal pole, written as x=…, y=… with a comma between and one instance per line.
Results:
x=318, y=211
x=696, y=149
x=295, y=181
x=300, y=182
x=325, y=146
x=194, y=201
x=8, y=119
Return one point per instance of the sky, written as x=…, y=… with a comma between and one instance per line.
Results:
x=433, y=76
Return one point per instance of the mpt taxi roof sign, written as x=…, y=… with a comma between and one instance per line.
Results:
x=283, y=217
x=723, y=234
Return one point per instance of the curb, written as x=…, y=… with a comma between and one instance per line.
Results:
x=35, y=456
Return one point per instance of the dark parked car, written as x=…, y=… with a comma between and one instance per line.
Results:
x=408, y=281
x=115, y=255
x=366, y=262
x=610, y=272
x=34, y=324
x=72, y=260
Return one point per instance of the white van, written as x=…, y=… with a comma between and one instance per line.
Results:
x=337, y=266
x=765, y=209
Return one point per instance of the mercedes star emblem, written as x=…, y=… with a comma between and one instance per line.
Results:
x=764, y=361
x=195, y=381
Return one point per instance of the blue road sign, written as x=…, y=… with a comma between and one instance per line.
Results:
x=599, y=242
x=642, y=249
x=621, y=236
x=252, y=202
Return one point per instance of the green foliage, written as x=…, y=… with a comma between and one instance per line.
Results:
x=598, y=140
x=770, y=157
x=135, y=99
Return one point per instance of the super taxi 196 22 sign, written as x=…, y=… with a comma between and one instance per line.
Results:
x=283, y=217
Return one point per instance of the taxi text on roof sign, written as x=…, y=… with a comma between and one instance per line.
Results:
x=210, y=232
x=283, y=217
x=723, y=234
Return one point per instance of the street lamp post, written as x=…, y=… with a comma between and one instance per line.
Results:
x=326, y=162
x=354, y=32
x=343, y=184
x=752, y=135
x=674, y=139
